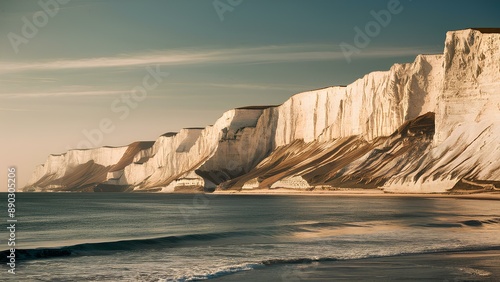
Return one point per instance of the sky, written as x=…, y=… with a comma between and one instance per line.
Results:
x=120, y=71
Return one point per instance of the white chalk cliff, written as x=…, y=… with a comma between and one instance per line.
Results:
x=428, y=126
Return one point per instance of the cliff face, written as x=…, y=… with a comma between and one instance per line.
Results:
x=375, y=105
x=466, y=144
x=193, y=159
x=427, y=126
x=75, y=170
x=196, y=158
x=348, y=162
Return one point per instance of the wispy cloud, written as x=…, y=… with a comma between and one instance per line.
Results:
x=253, y=55
x=257, y=86
x=168, y=58
x=24, y=79
x=253, y=86
x=62, y=93
x=14, y=110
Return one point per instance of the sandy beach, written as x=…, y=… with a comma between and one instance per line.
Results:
x=357, y=192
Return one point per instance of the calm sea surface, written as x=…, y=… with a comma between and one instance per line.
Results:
x=162, y=237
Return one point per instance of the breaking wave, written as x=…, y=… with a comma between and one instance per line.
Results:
x=223, y=271
x=103, y=248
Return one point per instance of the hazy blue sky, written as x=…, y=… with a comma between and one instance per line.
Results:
x=71, y=72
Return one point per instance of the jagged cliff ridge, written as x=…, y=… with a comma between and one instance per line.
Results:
x=427, y=126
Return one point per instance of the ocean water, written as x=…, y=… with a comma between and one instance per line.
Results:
x=162, y=237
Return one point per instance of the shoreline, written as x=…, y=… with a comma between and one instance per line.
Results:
x=494, y=196
x=358, y=192
x=480, y=265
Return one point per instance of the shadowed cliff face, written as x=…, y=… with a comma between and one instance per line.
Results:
x=82, y=177
x=128, y=157
x=344, y=162
x=380, y=159
x=421, y=127
x=65, y=173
